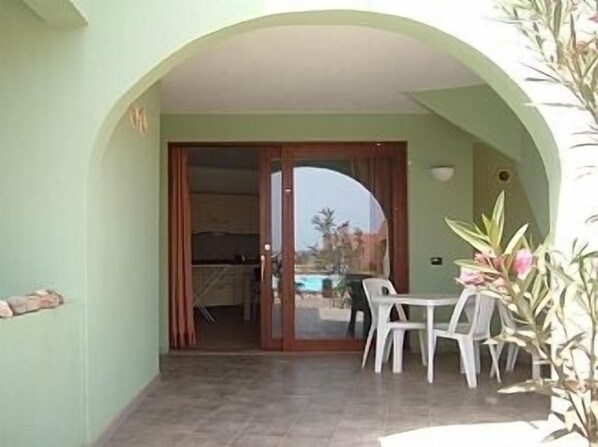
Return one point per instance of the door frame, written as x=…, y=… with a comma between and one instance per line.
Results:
x=289, y=151
x=266, y=155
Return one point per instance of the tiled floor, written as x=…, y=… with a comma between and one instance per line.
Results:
x=315, y=319
x=229, y=332
x=309, y=400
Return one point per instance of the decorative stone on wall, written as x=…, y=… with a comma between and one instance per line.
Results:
x=22, y=304
x=5, y=310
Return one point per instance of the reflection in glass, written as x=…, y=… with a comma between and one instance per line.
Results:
x=341, y=237
x=276, y=232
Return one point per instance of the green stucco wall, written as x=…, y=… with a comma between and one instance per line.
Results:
x=59, y=13
x=122, y=288
x=63, y=93
x=42, y=234
x=431, y=141
x=532, y=174
x=479, y=111
x=40, y=379
x=487, y=162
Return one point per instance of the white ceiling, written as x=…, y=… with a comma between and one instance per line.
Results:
x=301, y=69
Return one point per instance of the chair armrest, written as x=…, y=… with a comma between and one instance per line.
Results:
x=452, y=327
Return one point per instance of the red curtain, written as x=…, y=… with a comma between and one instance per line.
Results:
x=180, y=291
x=376, y=175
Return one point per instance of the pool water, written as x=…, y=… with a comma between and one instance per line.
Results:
x=312, y=283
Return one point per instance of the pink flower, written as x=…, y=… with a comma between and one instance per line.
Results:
x=498, y=262
x=480, y=258
x=523, y=262
x=489, y=260
x=470, y=277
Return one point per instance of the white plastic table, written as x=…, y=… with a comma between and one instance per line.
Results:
x=385, y=304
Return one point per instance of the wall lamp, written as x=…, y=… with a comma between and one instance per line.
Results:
x=442, y=174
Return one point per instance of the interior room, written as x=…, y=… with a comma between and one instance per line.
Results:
x=342, y=214
x=302, y=185
x=223, y=186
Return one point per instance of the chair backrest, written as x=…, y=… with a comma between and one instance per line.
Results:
x=479, y=319
x=376, y=287
x=506, y=318
x=483, y=316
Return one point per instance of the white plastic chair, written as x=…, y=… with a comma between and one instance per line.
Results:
x=508, y=322
x=471, y=333
x=377, y=287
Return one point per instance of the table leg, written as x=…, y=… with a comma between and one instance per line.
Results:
x=430, y=333
x=367, y=322
x=381, y=335
x=351, y=328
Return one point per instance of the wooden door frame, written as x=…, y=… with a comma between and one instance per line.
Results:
x=266, y=155
x=396, y=150
x=397, y=153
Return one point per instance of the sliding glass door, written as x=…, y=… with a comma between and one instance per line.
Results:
x=333, y=215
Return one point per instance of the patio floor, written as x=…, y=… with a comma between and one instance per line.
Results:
x=311, y=400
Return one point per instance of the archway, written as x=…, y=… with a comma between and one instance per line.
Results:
x=509, y=89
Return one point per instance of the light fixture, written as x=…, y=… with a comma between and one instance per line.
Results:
x=504, y=176
x=442, y=174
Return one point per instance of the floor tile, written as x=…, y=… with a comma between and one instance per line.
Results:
x=305, y=441
x=258, y=441
x=312, y=401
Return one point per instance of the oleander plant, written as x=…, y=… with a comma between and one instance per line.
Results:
x=553, y=298
x=563, y=34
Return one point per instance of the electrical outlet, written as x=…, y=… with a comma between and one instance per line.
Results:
x=436, y=260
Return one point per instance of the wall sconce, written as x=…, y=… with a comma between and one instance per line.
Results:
x=442, y=174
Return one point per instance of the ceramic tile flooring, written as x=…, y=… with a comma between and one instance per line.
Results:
x=310, y=400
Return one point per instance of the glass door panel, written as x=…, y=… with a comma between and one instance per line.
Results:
x=327, y=222
x=341, y=236
x=276, y=248
x=270, y=248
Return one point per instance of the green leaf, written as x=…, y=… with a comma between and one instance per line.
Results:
x=465, y=232
x=532, y=79
x=558, y=17
x=542, y=304
x=487, y=223
x=472, y=265
x=557, y=434
x=516, y=239
x=591, y=65
x=498, y=217
x=559, y=273
x=493, y=294
x=535, y=386
x=566, y=105
x=572, y=31
x=573, y=342
x=554, y=76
